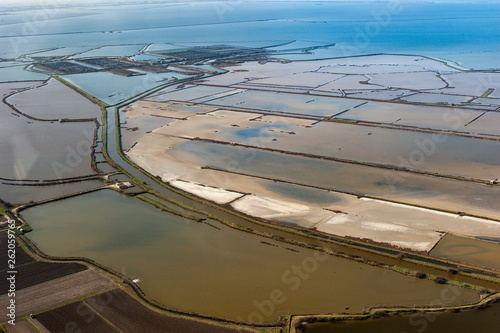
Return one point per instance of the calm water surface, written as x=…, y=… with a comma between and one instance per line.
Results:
x=216, y=271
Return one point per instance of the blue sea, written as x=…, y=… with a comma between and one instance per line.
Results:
x=468, y=34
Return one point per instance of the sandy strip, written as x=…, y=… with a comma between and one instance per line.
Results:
x=391, y=233
x=215, y=194
x=161, y=109
x=431, y=211
x=268, y=207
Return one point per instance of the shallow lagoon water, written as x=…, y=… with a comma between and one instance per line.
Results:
x=304, y=194
x=473, y=251
x=272, y=102
x=43, y=150
x=186, y=94
x=429, y=152
x=24, y=194
x=195, y=267
x=417, y=189
x=66, y=103
x=17, y=73
x=112, y=88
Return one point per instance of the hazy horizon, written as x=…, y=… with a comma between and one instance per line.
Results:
x=18, y=3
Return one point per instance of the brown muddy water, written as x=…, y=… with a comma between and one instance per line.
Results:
x=473, y=251
x=218, y=271
x=465, y=322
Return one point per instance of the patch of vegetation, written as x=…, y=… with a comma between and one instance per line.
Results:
x=24, y=229
x=401, y=256
x=344, y=120
x=440, y=279
x=420, y=275
x=487, y=92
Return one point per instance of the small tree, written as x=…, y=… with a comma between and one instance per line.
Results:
x=379, y=314
x=420, y=275
x=439, y=279
x=483, y=291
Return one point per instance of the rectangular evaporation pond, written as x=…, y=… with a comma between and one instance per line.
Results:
x=111, y=88
x=450, y=155
x=486, y=124
x=472, y=251
x=217, y=96
x=436, y=98
x=24, y=194
x=287, y=103
x=17, y=73
x=413, y=115
x=64, y=103
x=190, y=93
x=418, y=189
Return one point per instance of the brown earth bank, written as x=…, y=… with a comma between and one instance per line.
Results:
x=39, y=272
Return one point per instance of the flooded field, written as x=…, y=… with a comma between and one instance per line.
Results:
x=465, y=322
x=135, y=129
x=31, y=150
x=436, y=98
x=400, y=225
x=474, y=84
x=273, y=102
x=437, y=118
x=66, y=103
x=112, y=88
x=43, y=149
x=16, y=73
x=449, y=155
x=413, y=81
x=487, y=123
x=188, y=93
x=23, y=194
x=474, y=251
x=215, y=268
x=418, y=189
x=298, y=149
